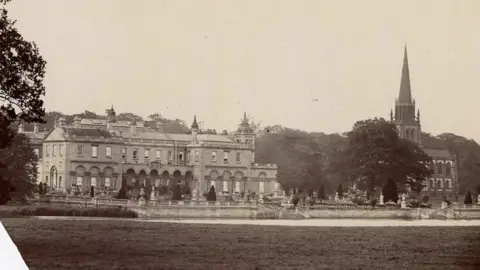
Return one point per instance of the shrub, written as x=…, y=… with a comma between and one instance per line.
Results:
x=40, y=188
x=122, y=193
x=67, y=211
x=340, y=191
x=390, y=191
x=177, y=193
x=468, y=198
x=321, y=193
x=425, y=199
x=211, y=196
x=373, y=202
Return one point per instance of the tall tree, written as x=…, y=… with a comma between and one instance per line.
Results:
x=390, y=191
x=375, y=153
x=22, y=70
x=20, y=171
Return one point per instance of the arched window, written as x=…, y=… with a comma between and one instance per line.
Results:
x=448, y=184
x=440, y=167
x=439, y=183
x=432, y=166
x=53, y=176
x=448, y=169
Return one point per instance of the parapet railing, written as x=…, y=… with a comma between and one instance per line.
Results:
x=138, y=203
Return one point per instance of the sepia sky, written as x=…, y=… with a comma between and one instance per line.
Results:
x=314, y=65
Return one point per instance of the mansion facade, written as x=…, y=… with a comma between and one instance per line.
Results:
x=444, y=162
x=109, y=154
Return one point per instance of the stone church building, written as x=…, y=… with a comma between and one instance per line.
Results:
x=444, y=165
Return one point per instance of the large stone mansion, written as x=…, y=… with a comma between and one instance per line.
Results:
x=444, y=165
x=109, y=153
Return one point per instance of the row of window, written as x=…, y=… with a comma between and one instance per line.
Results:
x=108, y=151
x=55, y=150
x=225, y=157
x=261, y=186
x=438, y=169
x=439, y=183
x=135, y=154
x=93, y=181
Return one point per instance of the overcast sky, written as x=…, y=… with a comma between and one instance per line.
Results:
x=272, y=58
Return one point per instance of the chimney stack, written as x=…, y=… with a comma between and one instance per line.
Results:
x=160, y=126
x=36, y=127
x=77, y=122
x=133, y=127
x=62, y=122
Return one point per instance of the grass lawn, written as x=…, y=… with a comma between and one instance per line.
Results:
x=59, y=244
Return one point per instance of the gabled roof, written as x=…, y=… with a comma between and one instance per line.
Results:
x=103, y=122
x=438, y=153
x=171, y=136
x=87, y=132
x=72, y=133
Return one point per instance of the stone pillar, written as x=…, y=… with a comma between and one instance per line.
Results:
x=403, y=203
x=381, y=200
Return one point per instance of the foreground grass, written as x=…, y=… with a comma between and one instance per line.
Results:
x=59, y=210
x=59, y=244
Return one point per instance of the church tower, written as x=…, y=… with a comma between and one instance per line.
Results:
x=408, y=124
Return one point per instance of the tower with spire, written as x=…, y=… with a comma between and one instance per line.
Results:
x=408, y=124
x=194, y=128
x=245, y=133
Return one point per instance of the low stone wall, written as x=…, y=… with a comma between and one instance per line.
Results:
x=197, y=211
x=467, y=213
x=359, y=213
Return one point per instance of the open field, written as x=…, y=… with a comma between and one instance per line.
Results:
x=63, y=244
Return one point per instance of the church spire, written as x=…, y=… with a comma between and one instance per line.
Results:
x=405, y=94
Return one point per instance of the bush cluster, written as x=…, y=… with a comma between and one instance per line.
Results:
x=23, y=211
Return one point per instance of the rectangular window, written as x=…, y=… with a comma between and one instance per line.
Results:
x=124, y=153
x=60, y=150
x=80, y=151
x=94, y=151
x=225, y=157
x=147, y=153
x=47, y=151
x=237, y=186
x=212, y=183
x=54, y=150
x=169, y=157
x=225, y=186
x=135, y=154
x=108, y=152
x=197, y=156
x=108, y=182
x=36, y=151
x=238, y=157
x=157, y=154
x=261, y=187
x=94, y=181
x=214, y=157
x=79, y=181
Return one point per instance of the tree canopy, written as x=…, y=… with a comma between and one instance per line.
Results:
x=18, y=170
x=375, y=153
x=22, y=70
